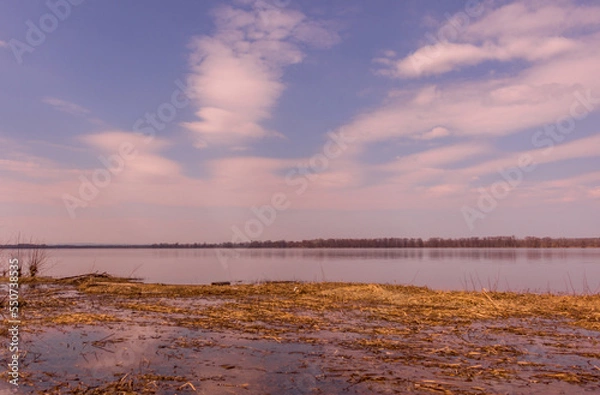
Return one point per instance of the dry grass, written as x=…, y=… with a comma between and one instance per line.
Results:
x=304, y=303
x=82, y=319
x=130, y=385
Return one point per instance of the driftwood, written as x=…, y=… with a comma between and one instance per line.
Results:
x=95, y=277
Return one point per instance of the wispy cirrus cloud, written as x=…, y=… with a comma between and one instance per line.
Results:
x=558, y=39
x=148, y=164
x=435, y=133
x=438, y=157
x=66, y=106
x=587, y=147
x=524, y=30
x=453, y=56
x=237, y=72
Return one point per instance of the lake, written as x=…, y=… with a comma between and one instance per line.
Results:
x=556, y=270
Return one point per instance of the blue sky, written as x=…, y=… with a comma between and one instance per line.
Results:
x=188, y=121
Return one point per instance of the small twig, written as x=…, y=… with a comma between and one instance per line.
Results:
x=188, y=384
x=484, y=292
x=123, y=378
x=104, y=338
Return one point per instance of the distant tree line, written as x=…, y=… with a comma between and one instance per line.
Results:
x=388, y=242
x=394, y=242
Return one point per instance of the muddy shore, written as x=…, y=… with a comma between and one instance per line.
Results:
x=98, y=334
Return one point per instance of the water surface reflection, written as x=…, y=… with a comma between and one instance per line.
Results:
x=554, y=270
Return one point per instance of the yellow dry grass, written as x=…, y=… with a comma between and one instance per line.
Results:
x=305, y=303
x=82, y=319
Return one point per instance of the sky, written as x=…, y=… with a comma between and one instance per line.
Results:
x=214, y=121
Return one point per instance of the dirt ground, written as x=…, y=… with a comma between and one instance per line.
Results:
x=101, y=335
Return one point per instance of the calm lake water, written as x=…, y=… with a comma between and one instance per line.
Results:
x=555, y=270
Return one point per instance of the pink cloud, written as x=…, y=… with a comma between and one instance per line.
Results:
x=531, y=31
x=236, y=73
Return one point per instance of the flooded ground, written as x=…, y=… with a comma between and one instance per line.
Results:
x=97, y=335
